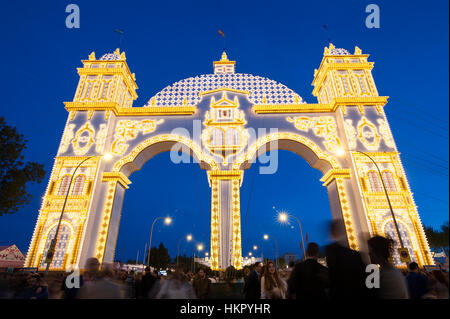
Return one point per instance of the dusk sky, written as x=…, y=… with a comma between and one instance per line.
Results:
x=166, y=41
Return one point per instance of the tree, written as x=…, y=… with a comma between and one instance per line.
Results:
x=438, y=239
x=14, y=173
x=159, y=257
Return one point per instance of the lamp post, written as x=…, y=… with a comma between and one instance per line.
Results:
x=284, y=217
x=266, y=237
x=255, y=248
x=188, y=238
x=199, y=249
x=167, y=221
x=342, y=152
x=51, y=250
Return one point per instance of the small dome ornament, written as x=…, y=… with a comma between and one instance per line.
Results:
x=332, y=50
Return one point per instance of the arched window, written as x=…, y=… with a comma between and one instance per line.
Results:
x=389, y=182
x=217, y=137
x=78, y=185
x=232, y=136
x=391, y=232
x=375, y=184
x=60, y=249
x=64, y=185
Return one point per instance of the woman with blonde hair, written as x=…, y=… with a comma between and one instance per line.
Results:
x=272, y=285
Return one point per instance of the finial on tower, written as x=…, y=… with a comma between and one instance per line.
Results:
x=224, y=56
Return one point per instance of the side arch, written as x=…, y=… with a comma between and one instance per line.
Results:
x=295, y=143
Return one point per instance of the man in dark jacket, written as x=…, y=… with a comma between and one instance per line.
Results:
x=346, y=269
x=417, y=283
x=309, y=279
x=252, y=289
x=147, y=283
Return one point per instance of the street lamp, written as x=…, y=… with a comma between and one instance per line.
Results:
x=51, y=250
x=284, y=218
x=341, y=152
x=167, y=221
x=250, y=254
x=188, y=238
x=266, y=237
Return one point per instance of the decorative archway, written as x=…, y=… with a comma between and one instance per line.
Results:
x=222, y=121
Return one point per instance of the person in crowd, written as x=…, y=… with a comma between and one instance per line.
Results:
x=201, y=284
x=90, y=275
x=130, y=285
x=246, y=274
x=309, y=279
x=418, y=284
x=392, y=282
x=176, y=286
x=252, y=288
x=346, y=268
x=104, y=286
x=439, y=288
x=272, y=285
x=147, y=282
x=34, y=289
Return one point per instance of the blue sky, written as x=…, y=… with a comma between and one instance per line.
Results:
x=282, y=40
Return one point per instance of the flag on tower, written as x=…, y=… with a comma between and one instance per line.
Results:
x=306, y=237
x=221, y=33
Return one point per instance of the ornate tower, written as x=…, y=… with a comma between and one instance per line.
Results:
x=344, y=81
x=105, y=87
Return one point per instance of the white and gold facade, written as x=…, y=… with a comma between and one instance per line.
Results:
x=224, y=108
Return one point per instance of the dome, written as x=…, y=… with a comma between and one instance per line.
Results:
x=258, y=87
x=339, y=51
x=110, y=56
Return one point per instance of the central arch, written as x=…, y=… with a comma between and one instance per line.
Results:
x=334, y=177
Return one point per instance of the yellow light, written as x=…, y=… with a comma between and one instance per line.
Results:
x=206, y=254
x=200, y=247
x=340, y=151
x=266, y=237
x=107, y=156
x=167, y=220
x=283, y=217
x=255, y=247
x=250, y=253
x=189, y=237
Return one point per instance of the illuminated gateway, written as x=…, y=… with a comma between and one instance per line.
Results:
x=227, y=106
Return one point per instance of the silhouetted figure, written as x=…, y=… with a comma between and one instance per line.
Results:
x=176, y=286
x=418, y=284
x=147, y=283
x=392, y=281
x=252, y=289
x=309, y=279
x=102, y=286
x=347, y=271
x=34, y=289
x=438, y=285
x=201, y=284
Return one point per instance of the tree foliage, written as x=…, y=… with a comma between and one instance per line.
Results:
x=15, y=174
x=159, y=257
x=438, y=239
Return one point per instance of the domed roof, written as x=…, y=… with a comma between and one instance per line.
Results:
x=339, y=51
x=110, y=56
x=258, y=87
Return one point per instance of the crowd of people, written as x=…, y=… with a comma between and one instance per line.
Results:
x=343, y=277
